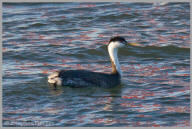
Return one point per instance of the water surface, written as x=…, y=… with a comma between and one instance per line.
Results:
x=41, y=38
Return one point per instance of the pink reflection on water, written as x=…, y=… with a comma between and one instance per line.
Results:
x=105, y=121
x=176, y=109
x=86, y=6
x=4, y=49
x=138, y=94
x=183, y=123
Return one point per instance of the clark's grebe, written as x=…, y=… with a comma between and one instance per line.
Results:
x=82, y=78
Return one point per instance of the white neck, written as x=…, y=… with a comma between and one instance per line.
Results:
x=113, y=49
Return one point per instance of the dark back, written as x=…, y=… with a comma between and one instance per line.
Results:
x=82, y=78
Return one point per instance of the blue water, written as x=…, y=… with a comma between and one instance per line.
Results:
x=40, y=38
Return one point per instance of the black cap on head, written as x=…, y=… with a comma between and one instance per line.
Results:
x=118, y=38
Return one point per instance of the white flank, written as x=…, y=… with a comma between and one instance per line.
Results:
x=54, y=79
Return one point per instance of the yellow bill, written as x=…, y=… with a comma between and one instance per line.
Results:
x=135, y=44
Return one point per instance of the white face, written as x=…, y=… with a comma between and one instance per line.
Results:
x=116, y=44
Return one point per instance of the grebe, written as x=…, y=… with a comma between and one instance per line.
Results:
x=82, y=78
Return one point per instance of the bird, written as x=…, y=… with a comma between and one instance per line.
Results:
x=85, y=78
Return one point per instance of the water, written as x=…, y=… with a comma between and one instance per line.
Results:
x=41, y=38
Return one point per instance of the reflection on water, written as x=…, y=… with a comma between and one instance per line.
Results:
x=40, y=38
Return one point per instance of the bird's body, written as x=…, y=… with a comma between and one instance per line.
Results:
x=84, y=78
